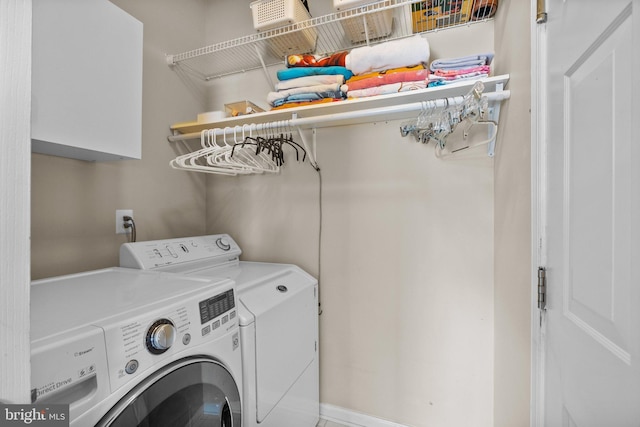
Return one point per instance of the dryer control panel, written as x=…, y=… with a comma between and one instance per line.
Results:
x=217, y=249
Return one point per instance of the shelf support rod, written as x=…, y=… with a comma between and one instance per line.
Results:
x=311, y=150
x=264, y=68
x=366, y=29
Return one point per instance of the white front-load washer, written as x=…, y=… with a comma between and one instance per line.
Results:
x=137, y=348
x=278, y=314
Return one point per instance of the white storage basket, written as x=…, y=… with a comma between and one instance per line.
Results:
x=378, y=24
x=269, y=14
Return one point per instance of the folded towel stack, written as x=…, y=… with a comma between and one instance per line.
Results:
x=464, y=68
x=389, y=81
x=390, y=67
x=310, y=79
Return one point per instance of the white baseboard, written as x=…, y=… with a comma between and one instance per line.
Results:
x=351, y=418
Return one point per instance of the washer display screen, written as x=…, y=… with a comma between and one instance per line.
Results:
x=214, y=307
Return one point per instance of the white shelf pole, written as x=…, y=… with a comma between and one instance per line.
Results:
x=264, y=67
x=494, y=116
x=360, y=116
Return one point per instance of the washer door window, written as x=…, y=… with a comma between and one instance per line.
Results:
x=191, y=392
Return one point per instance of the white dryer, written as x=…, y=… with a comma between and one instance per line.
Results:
x=137, y=348
x=278, y=311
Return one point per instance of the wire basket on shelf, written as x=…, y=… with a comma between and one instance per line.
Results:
x=436, y=14
x=366, y=27
x=272, y=14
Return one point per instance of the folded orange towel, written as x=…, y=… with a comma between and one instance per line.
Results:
x=390, y=71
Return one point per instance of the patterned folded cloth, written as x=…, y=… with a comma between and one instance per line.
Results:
x=462, y=71
x=387, y=89
x=440, y=81
x=272, y=97
x=307, y=60
x=389, y=71
x=383, y=79
x=293, y=73
x=310, y=96
x=477, y=74
x=462, y=62
x=305, y=103
x=322, y=79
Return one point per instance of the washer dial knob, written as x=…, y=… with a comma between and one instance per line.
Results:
x=160, y=336
x=223, y=243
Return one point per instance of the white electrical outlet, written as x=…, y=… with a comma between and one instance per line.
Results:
x=120, y=213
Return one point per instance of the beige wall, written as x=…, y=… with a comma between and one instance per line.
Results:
x=406, y=274
x=407, y=258
x=74, y=202
x=408, y=293
x=512, y=219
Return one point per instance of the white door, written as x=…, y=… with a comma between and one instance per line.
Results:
x=591, y=107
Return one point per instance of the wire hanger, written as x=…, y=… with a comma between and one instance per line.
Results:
x=240, y=151
x=438, y=119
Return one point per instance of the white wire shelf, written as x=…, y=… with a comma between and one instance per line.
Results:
x=365, y=25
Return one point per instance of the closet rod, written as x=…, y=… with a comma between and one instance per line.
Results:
x=380, y=113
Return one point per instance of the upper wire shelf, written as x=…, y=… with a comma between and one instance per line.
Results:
x=365, y=25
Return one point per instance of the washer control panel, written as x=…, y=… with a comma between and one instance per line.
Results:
x=146, y=340
x=214, y=249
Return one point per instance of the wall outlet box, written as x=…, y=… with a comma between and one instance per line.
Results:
x=120, y=214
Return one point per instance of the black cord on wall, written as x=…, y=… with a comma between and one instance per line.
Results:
x=130, y=223
x=317, y=169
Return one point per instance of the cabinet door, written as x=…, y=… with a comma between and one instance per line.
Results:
x=86, y=81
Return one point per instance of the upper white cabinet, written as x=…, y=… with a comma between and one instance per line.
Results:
x=86, y=80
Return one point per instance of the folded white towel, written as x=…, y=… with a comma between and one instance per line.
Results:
x=394, y=54
x=310, y=81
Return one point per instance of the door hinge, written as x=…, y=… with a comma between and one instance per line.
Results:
x=541, y=12
x=542, y=288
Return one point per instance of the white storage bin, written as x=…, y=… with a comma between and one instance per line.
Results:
x=378, y=24
x=269, y=14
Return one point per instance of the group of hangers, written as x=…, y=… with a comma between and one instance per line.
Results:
x=251, y=149
x=273, y=145
x=439, y=118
